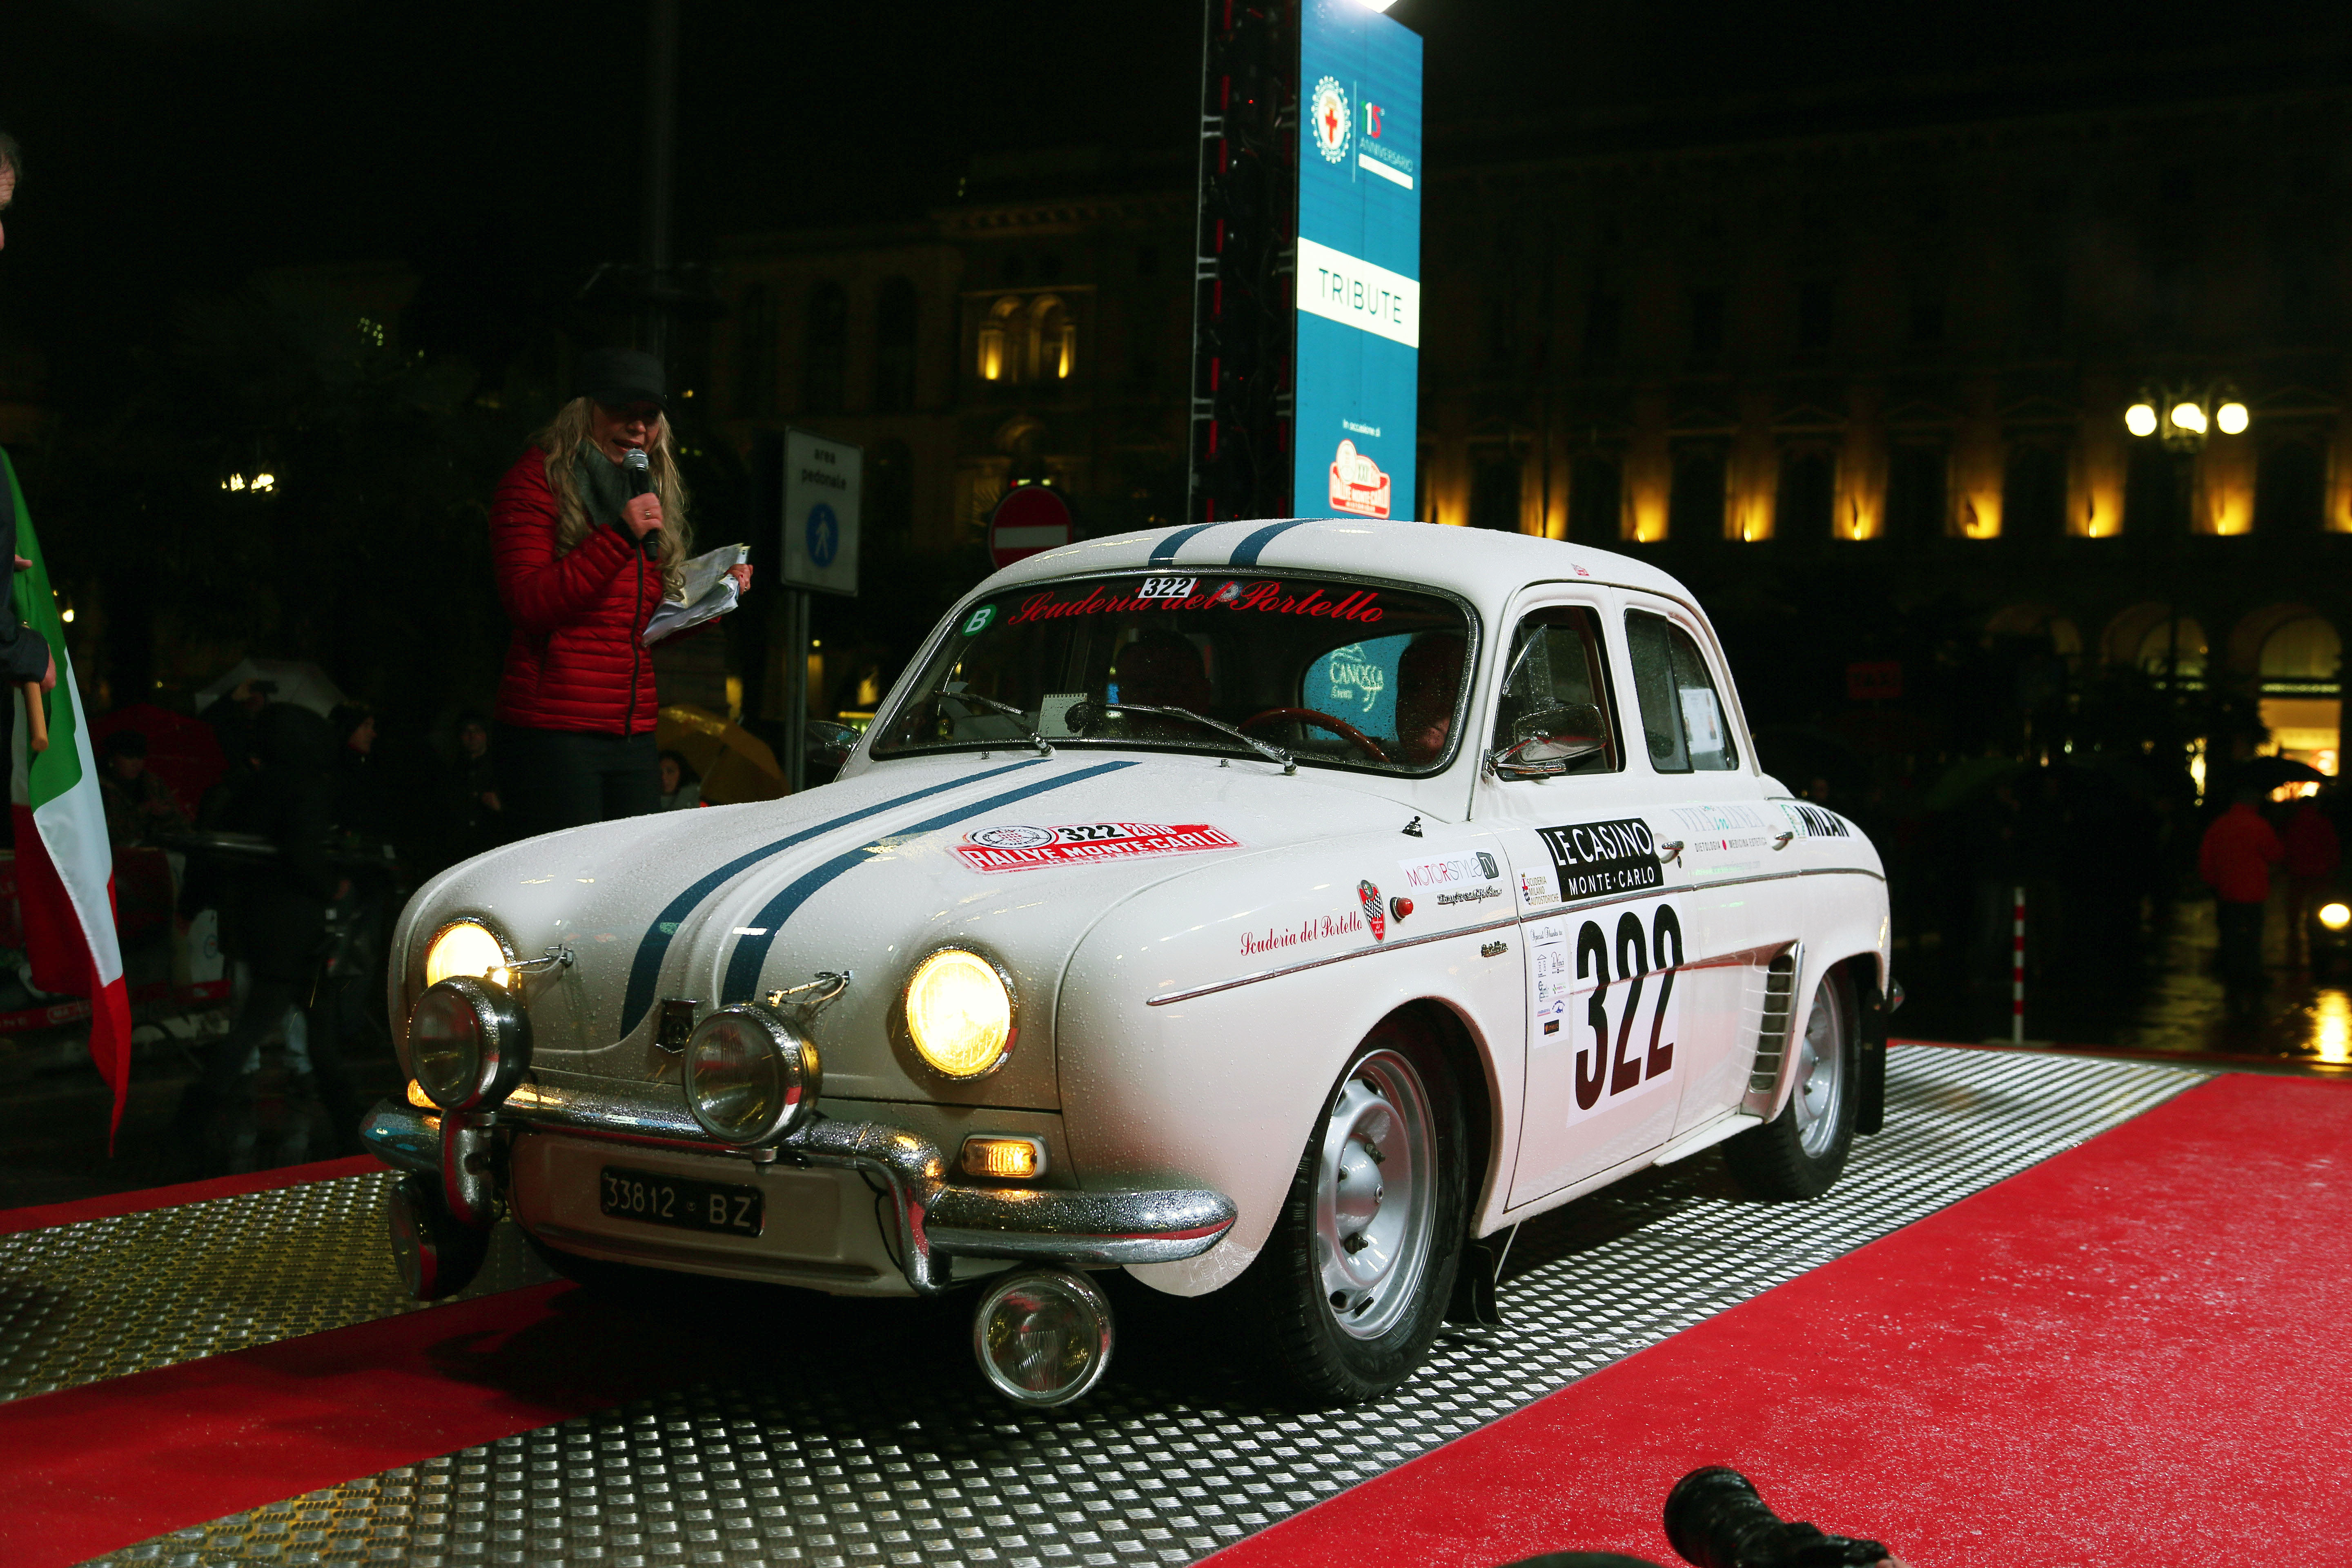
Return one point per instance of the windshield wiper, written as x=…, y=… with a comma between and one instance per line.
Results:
x=1084, y=716
x=1045, y=747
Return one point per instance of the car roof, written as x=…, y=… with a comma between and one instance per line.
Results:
x=1480, y=565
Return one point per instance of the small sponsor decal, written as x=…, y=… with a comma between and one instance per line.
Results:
x=1814, y=821
x=1015, y=847
x=1264, y=595
x=1535, y=887
x=1315, y=928
x=977, y=622
x=1472, y=895
x=1595, y=858
x=1374, y=917
x=1458, y=869
x=1168, y=588
x=1359, y=485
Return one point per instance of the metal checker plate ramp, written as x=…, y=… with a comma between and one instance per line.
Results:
x=104, y=1297
x=883, y=1449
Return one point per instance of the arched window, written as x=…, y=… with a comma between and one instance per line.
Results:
x=2305, y=652
x=1053, y=340
x=755, y=352
x=1916, y=500
x=890, y=493
x=1494, y=490
x=2173, y=649
x=1695, y=504
x=1596, y=500
x=824, y=351
x=998, y=349
x=896, y=312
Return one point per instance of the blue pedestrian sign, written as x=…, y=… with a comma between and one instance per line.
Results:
x=822, y=482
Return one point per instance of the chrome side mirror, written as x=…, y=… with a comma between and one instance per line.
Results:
x=1549, y=742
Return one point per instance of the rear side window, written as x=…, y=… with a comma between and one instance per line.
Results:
x=1683, y=715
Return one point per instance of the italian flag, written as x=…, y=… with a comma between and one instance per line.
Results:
x=64, y=863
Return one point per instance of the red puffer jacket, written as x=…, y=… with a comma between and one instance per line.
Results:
x=578, y=660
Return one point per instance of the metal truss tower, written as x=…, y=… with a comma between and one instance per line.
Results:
x=1245, y=261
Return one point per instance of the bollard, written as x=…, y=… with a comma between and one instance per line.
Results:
x=2017, y=973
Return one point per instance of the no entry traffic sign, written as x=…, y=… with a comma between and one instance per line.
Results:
x=1029, y=519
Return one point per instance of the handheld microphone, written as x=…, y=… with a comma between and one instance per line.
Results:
x=641, y=482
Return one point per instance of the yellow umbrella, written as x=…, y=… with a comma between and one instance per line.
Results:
x=736, y=765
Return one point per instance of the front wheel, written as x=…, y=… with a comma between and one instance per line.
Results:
x=1352, y=1284
x=1801, y=1151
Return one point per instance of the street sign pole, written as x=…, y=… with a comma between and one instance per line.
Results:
x=824, y=481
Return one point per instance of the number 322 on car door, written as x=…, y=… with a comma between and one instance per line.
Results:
x=1608, y=981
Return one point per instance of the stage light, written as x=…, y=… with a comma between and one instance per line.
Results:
x=2231, y=418
x=2188, y=416
x=2140, y=420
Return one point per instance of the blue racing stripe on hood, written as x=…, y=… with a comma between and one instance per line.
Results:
x=1246, y=553
x=644, y=972
x=1164, y=552
x=750, y=954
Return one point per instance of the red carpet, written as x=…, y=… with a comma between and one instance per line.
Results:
x=2137, y=1353
x=97, y=1467
x=114, y=1204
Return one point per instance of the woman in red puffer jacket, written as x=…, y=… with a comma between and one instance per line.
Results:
x=581, y=564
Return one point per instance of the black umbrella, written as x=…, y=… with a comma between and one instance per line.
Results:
x=2268, y=774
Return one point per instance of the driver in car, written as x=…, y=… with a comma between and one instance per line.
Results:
x=1429, y=677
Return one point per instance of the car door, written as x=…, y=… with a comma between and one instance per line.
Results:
x=1742, y=905
x=1604, y=939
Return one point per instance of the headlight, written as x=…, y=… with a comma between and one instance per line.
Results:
x=960, y=1013
x=2335, y=917
x=750, y=1077
x=465, y=947
x=469, y=1043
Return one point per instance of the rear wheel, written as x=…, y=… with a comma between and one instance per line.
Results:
x=1801, y=1151
x=1352, y=1284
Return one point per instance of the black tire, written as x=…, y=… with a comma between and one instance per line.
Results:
x=1285, y=1308
x=1801, y=1152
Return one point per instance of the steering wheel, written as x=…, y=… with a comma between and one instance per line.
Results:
x=1338, y=727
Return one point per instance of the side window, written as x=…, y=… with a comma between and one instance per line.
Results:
x=1554, y=715
x=1683, y=716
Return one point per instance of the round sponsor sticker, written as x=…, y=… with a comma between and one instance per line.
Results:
x=977, y=622
x=1013, y=837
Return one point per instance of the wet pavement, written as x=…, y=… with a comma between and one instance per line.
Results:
x=2167, y=1004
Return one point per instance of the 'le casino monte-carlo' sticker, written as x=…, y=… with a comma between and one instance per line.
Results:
x=1019, y=847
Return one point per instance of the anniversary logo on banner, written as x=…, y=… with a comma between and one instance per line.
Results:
x=1021, y=848
x=1596, y=858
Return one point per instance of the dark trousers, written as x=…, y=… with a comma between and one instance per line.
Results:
x=553, y=779
x=2241, y=949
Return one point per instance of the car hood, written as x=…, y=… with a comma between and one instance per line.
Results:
x=1014, y=856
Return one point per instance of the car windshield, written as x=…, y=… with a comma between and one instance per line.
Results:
x=1335, y=671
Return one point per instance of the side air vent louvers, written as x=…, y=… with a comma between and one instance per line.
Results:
x=1772, y=1028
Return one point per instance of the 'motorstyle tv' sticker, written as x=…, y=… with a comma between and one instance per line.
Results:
x=1015, y=847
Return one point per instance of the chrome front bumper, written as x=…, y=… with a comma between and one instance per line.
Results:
x=937, y=1219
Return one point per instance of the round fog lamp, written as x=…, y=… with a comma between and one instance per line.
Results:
x=2335, y=917
x=469, y=1043
x=1043, y=1336
x=464, y=947
x=750, y=1077
x=960, y=1013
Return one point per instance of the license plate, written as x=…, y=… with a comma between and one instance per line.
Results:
x=677, y=1201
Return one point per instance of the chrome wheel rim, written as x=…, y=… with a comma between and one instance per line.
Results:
x=1821, y=1074
x=1374, y=1205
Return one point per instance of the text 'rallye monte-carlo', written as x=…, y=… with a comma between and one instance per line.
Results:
x=1272, y=910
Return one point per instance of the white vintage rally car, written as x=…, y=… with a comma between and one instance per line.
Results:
x=1273, y=909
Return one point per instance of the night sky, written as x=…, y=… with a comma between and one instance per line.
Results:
x=179, y=145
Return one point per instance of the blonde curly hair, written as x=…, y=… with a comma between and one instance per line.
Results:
x=561, y=441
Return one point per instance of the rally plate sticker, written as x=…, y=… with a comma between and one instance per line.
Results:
x=1015, y=847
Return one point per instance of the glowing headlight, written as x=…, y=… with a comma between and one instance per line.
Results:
x=960, y=1013
x=750, y=1077
x=469, y=1043
x=2335, y=917
x=464, y=947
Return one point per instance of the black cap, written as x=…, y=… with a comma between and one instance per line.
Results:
x=619, y=377
x=124, y=744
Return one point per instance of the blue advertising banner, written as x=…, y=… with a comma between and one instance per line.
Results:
x=1360, y=178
